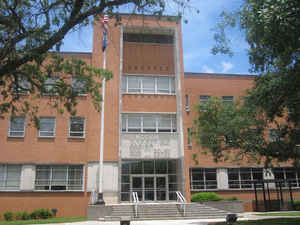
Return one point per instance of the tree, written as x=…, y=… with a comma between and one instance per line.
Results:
x=29, y=29
x=272, y=30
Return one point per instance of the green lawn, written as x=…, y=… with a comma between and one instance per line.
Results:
x=45, y=221
x=279, y=221
x=280, y=214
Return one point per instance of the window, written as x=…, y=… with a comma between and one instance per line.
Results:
x=149, y=123
x=50, y=85
x=134, y=84
x=187, y=104
x=285, y=174
x=227, y=99
x=77, y=127
x=274, y=135
x=240, y=178
x=59, y=178
x=79, y=86
x=148, y=84
x=166, y=123
x=21, y=86
x=189, y=137
x=203, y=178
x=47, y=127
x=163, y=85
x=204, y=98
x=16, y=126
x=134, y=123
x=10, y=177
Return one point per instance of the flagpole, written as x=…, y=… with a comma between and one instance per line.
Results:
x=100, y=200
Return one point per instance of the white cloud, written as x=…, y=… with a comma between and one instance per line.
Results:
x=226, y=66
x=206, y=69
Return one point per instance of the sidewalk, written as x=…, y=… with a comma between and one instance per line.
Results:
x=241, y=216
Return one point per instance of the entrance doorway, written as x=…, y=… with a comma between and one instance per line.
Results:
x=150, y=187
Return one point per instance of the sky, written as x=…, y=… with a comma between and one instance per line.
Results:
x=197, y=40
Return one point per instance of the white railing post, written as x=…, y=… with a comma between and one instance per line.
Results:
x=135, y=202
x=181, y=200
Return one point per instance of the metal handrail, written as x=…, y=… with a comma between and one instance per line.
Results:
x=135, y=202
x=93, y=197
x=181, y=200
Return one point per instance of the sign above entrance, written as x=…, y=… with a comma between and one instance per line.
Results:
x=149, y=146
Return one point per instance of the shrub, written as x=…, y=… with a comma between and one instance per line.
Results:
x=8, y=216
x=25, y=215
x=45, y=213
x=205, y=197
x=18, y=215
x=233, y=198
x=34, y=214
x=297, y=204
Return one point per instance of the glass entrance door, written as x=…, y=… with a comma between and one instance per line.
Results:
x=149, y=187
x=161, y=188
x=137, y=186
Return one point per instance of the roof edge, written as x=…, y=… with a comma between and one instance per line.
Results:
x=219, y=74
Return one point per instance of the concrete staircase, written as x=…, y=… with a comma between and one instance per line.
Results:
x=148, y=211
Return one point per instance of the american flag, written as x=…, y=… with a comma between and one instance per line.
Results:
x=104, y=26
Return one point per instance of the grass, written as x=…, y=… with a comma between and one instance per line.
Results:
x=279, y=214
x=279, y=221
x=44, y=221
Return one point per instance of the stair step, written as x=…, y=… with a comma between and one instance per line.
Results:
x=164, y=211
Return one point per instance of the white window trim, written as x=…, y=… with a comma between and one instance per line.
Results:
x=156, y=116
x=53, y=165
x=54, y=130
x=141, y=89
x=9, y=128
x=84, y=128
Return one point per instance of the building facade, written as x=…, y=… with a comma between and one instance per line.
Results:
x=147, y=119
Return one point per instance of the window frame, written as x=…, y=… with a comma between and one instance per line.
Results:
x=53, y=90
x=79, y=93
x=140, y=129
x=50, y=180
x=141, y=87
x=228, y=101
x=275, y=135
x=10, y=124
x=84, y=127
x=204, y=99
x=189, y=137
x=205, y=181
x=6, y=179
x=20, y=84
x=240, y=182
x=54, y=128
x=284, y=171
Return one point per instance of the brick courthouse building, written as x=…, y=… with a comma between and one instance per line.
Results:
x=148, y=113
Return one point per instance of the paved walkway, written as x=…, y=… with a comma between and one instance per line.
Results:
x=242, y=216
